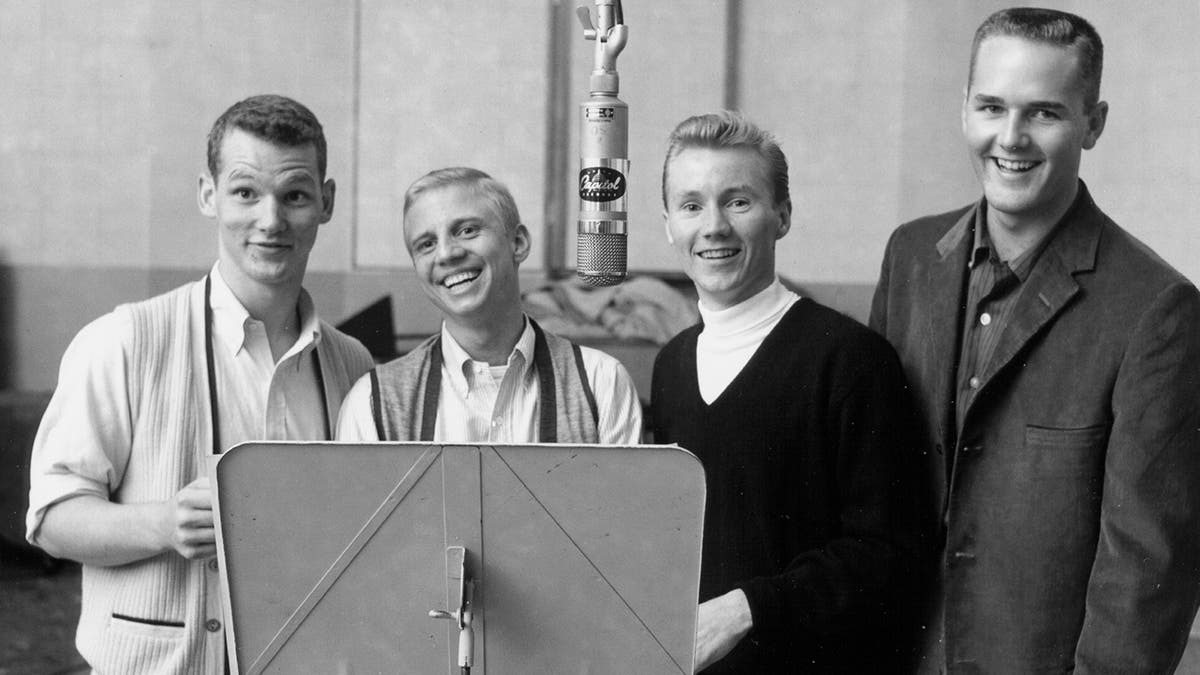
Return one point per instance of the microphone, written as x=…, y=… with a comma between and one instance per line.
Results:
x=603, y=155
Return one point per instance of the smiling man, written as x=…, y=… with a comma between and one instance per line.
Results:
x=1056, y=361
x=491, y=374
x=798, y=414
x=147, y=392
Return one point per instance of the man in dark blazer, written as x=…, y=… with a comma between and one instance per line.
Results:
x=1056, y=361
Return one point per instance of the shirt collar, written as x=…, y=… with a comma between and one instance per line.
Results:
x=230, y=317
x=459, y=363
x=749, y=313
x=1022, y=265
x=981, y=246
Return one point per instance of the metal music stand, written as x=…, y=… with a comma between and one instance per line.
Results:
x=349, y=558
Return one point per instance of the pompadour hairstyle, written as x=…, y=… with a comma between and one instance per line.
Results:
x=273, y=118
x=728, y=129
x=492, y=190
x=1051, y=27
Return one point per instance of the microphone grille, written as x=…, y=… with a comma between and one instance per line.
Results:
x=600, y=259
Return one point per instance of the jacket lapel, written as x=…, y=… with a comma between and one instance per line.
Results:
x=1050, y=285
x=946, y=292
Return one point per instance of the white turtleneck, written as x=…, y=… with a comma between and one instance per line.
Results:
x=731, y=336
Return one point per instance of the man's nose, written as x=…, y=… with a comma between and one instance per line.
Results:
x=272, y=216
x=715, y=223
x=448, y=249
x=1013, y=134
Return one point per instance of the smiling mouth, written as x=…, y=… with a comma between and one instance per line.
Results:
x=1014, y=166
x=460, y=278
x=270, y=246
x=718, y=253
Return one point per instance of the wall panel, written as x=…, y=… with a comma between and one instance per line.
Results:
x=104, y=109
x=454, y=83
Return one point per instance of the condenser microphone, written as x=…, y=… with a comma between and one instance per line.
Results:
x=603, y=155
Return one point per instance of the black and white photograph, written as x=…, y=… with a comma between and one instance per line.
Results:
x=599, y=336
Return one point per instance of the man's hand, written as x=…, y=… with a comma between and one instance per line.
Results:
x=187, y=523
x=720, y=624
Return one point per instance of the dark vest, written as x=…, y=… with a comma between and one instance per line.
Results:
x=404, y=392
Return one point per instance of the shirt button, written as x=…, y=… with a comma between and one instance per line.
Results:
x=212, y=564
x=985, y=318
x=212, y=625
x=973, y=382
x=959, y=558
x=496, y=423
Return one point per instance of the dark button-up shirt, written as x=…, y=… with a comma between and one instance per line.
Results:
x=993, y=286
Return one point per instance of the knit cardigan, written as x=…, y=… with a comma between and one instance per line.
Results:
x=162, y=614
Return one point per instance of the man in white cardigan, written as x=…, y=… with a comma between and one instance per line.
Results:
x=149, y=390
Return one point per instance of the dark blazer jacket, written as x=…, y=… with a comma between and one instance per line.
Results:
x=1069, y=505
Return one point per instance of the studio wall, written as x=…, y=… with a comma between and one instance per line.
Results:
x=104, y=110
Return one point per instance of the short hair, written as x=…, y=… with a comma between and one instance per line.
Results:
x=728, y=129
x=1051, y=27
x=273, y=118
x=492, y=190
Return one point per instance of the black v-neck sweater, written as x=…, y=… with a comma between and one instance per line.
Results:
x=811, y=509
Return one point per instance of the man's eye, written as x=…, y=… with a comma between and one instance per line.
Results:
x=298, y=197
x=1045, y=115
x=243, y=193
x=468, y=231
x=739, y=203
x=424, y=245
x=690, y=207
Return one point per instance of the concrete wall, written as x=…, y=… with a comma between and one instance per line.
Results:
x=104, y=108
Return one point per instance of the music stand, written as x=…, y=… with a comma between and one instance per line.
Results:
x=348, y=558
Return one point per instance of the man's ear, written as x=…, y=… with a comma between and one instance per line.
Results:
x=785, y=218
x=328, y=191
x=1096, y=118
x=521, y=244
x=206, y=195
x=667, y=228
x=962, y=113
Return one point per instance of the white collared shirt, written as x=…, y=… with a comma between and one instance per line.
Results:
x=732, y=335
x=482, y=403
x=479, y=403
x=260, y=399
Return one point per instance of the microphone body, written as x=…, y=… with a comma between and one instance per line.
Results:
x=603, y=154
x=603, y=168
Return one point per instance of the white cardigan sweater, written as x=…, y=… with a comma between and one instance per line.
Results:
x=163, y=614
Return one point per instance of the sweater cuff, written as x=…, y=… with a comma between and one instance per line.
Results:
x=768, y=608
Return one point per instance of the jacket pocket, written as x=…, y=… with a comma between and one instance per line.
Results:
x=1066, y=452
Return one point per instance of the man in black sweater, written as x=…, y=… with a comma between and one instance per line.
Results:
x=801, y=419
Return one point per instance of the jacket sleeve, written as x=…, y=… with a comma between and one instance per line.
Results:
x=879, y=303
x=1145, y=581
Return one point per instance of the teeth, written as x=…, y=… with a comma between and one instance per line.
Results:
x=458, y=278
x=1013, y=165
x=718, y=254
